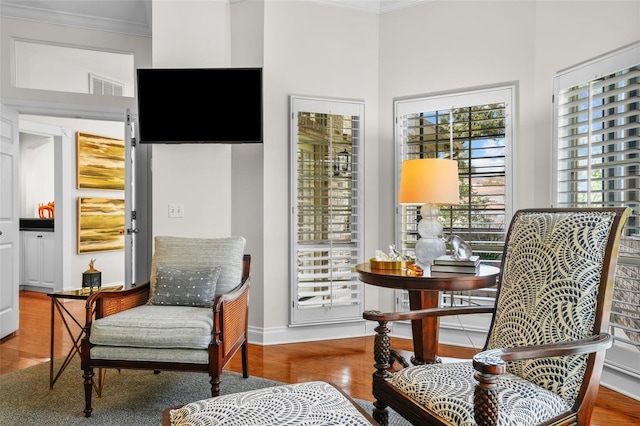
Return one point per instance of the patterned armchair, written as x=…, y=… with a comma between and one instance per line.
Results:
x=192, y=315
x=545, y=349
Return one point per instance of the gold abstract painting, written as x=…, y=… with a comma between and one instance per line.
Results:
x=100, y=224
x=100, y=162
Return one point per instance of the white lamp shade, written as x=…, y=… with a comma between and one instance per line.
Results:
x=429, y=180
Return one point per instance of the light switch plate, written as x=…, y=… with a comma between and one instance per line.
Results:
x=176, y=210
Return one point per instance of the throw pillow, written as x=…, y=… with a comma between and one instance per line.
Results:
x=198, y=254
x=177, y=287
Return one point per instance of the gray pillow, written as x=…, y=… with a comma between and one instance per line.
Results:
x=177, y=287
x=198, y=254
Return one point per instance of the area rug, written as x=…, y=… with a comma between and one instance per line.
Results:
x=131, y=397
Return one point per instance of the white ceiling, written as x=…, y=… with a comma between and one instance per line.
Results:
x=134, y=16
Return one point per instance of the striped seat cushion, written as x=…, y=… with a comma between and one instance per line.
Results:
x=150, y=326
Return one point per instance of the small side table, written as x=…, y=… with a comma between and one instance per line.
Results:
x=68, y=320
x=424, y=294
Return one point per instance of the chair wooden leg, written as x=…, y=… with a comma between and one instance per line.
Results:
x=245, y=364
x=88, y=390
x=380, y=413
x=216, y=378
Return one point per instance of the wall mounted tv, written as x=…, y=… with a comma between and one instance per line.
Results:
x=200, y=105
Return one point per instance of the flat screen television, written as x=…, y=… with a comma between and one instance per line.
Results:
x=200, y=105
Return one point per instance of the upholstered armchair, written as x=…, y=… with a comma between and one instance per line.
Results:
x=543, y=357
x=192, y=314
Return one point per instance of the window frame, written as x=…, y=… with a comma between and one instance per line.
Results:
x=622, y=361
x=507, y=94
x=347, y=279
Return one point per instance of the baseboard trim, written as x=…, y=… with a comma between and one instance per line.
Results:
x=400, y=329
x=309, y=333
x=620, y=381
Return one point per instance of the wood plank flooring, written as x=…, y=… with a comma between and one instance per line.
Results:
x=345, y=362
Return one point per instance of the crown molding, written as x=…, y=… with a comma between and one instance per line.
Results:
x=31, y=12
x=377, y=7
x=104, y=15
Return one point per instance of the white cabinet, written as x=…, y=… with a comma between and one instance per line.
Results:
x=38, y=269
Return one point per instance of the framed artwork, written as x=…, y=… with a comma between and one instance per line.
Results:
x=100, y=162
x=100, y=224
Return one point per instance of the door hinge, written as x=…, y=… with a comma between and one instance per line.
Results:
x=133, y=215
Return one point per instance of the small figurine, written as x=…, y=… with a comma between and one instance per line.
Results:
x=460, y=249
x=394, y=254
x=92, y=277
x=47, y=211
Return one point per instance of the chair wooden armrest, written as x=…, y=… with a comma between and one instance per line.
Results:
x=494, y=361
x=105, y=303
x=426, y=313
x=383, y=355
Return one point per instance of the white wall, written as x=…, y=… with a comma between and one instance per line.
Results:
x=247, y=170
x=219, y=185
x=198, y=176
x=36, y=62
x=318, y=51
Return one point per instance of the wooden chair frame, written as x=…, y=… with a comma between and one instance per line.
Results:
x=489, y=365
x=230, y=332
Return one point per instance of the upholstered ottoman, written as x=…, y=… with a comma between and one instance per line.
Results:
x=309, y=403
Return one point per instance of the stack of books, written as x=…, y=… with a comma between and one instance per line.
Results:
x=446, y=263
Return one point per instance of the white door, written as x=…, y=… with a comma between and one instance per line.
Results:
x=137, y=195
x=9, y=221
x=129, y=202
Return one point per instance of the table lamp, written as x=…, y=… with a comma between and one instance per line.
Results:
x=430, y=182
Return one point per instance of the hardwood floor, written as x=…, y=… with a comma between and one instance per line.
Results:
x=345, y=362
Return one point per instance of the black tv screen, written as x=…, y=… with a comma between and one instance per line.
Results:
x=200, y=105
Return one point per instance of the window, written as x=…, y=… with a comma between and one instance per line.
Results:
x=326, y=213
x=597, y=158
x=474, y=128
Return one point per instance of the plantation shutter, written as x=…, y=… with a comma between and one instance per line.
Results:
x=326, y=200
x=473, y=128
x=597, y=136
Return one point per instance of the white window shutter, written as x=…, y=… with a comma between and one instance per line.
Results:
x=326, y=213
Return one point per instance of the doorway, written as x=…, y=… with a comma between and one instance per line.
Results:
x=112, y=264
x=49, y=262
